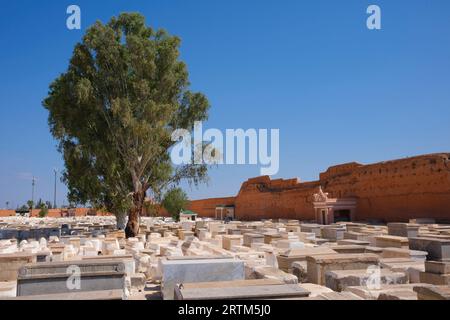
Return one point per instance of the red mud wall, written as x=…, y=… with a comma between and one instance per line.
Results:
x=396, y=190
x=265, y=198
x=207, y=207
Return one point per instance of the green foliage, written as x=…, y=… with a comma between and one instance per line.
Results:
x=30, y=204
x=175, y=200
x=24, y=208
x=49, y=205
x=113, y=112
x=43, y=212
x=152, y=209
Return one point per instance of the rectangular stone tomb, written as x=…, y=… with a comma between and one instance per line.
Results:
x=436, y=272
x=267, y=272
x=438, y=267
x=8, y=289
x=286, y=259
x=70, y=277
x=11, y=263
x=435, y=278
x=437, y=249
x=349, y=248
x=231, y=240
x=116, y=294
x=433, y=293
x=202, y=270
x=358, y=236
x=403, y=229
x=333, y=233
x=404, y=253
x=339, y=280
x=317, y=266
x=250, y=238
x=314, y=228
x=353, y=242
x=374, y=292
x=391, y=241
x=272, y=291
x=127, y=260
x=268, y=237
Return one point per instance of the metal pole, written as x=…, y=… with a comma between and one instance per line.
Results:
x=54, y=193
x=32, y=194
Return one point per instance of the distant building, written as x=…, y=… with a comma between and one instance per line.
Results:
x=187, y=215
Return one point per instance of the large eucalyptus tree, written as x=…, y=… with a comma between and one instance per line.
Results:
x=113, y=112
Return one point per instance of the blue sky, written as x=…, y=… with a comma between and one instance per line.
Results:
x=337, y=91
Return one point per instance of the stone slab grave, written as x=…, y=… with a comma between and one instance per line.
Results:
x=241, y=291
x=307, y=237
x=344, y=296
x=116, y=294
x=198, y=270
x=404, y=253
x=251, y=238
x=433, y=293
x=268, y=272
x=233, y=231
x=339, y=280
x=287, y=258
x=127, y=259
x=411, y=267
x=391, y=241
x=422, y=221
x=231, y=240
x=53, y=278
x=183, y=234
x=437, y=249
x=438, y=267
x=358, y=236
x=299, y=269
x=312, y=228
x=348, y=248
x=407, y=230
x=270, y=236
x=224, y=284
x=373, y=293
x=374, y=250
x=8, y=289
x=353, y=242
x=315, y=289
x=436, y=272
x=11, y=263
x=333, y=233
x=398, y=295
x=284, y=244
x=318, y=265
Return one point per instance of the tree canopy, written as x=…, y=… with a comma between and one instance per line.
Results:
x=175, y=200
x=113, y=112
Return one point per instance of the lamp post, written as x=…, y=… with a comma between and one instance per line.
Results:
x=33, y=182
x=54, y=191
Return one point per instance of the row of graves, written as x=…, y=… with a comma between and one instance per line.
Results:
x=208, y=259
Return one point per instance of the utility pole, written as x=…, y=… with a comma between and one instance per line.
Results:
x=54, y=191
x=33, y=182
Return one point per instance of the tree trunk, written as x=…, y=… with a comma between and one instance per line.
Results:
x=132, y=228
x=121, y=220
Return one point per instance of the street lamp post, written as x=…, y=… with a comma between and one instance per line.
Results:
x=54, y=191
x=33, y=182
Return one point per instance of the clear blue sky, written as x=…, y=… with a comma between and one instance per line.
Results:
x=337, y=91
